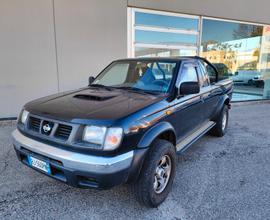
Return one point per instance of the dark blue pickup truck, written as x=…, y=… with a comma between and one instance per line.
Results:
x=127, y=126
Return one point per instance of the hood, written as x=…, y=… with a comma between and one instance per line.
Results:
x=92, y=103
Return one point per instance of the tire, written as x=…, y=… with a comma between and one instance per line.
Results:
x=220, y=128
x=146, y=187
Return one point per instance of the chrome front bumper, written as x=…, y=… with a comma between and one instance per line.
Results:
x=72, y=160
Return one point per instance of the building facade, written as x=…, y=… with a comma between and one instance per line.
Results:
x=50, y=46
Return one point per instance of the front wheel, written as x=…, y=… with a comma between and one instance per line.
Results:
x=157, y=174
x=220, y=128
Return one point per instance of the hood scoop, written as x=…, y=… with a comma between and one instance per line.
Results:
x=92, y=97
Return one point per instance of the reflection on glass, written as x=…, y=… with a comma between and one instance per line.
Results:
x=159, y=52
x=242, y=52
x=153, y=37
x=157, y=20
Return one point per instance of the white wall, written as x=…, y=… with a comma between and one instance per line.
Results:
x=27, y=53
x=90, y=34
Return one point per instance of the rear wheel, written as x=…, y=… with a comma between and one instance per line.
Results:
x=221, y=122
x=157, y=174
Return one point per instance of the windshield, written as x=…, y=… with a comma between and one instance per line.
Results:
x=151, y=76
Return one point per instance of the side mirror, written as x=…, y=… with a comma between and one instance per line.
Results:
x=90, y=80
x=188, y=88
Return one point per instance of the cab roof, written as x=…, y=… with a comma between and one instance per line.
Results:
x=164, y=59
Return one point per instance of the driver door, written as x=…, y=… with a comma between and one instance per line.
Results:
x=187, y=108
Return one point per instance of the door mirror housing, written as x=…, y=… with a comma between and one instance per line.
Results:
x=91, y=80
x=188, y=88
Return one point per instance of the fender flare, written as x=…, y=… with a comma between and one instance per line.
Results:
x=225, y=100
x=154, y=132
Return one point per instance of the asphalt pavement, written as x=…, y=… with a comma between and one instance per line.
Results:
x=217, y=178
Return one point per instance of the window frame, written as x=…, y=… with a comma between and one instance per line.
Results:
x=132, y=27
x=203, y=73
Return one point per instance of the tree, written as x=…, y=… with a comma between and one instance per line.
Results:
x=247, y=31
x=206, y=43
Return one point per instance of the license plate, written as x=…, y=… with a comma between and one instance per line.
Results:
x=39, y=164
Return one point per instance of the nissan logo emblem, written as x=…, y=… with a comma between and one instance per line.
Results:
x=46, y=128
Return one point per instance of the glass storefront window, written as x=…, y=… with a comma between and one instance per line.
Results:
x=157, y=20
x=156, y=33
x=153, y=37
x=241, y=52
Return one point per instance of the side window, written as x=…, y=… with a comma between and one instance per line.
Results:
x=204, y=75
x=211, y=73
x=223, y=71
x=188, y=74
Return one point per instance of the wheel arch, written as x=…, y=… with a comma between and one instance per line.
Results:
x=224, y=100
x=227, y=101
x=162, y=130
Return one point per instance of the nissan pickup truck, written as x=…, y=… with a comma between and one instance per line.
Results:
x=126, y=126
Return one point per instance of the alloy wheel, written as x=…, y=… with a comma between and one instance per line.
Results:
x=162, y=174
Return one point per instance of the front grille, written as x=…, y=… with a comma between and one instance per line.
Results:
x=34, y=123
x=37, y=125
x=63, y=131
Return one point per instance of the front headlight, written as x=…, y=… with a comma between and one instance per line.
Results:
x=107, y=138
x=94, y=134
x=24, y=116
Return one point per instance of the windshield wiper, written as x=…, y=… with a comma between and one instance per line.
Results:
x=134, y=89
